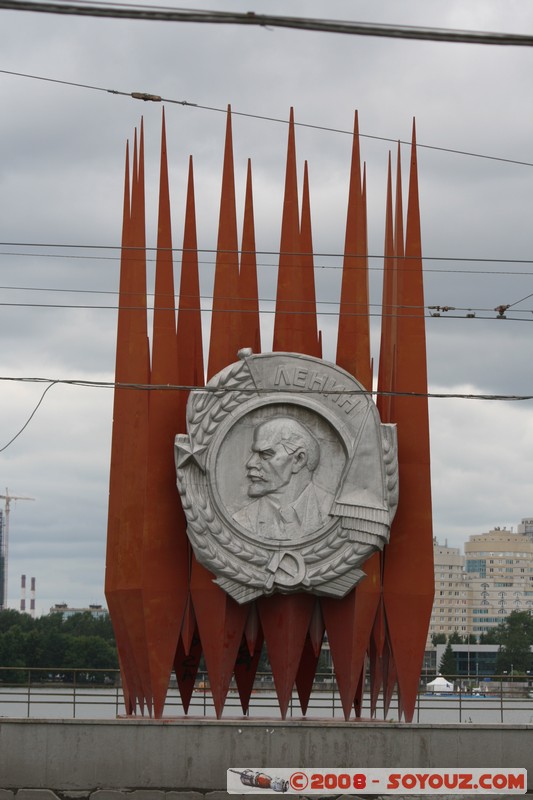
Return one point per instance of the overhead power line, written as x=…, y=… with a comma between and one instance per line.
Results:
x=211, y=389
x=157, y=98
x=469, y=312
x=209, y=297
x=274, y=253
x=250, y=18
x=148, y=387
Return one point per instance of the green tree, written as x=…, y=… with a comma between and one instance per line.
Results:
x=53, y=644
x=515, y=639
x=12, y=655
x=90, y=652
x=9, y=618
x=448, y=665
x=438, y=638
x=455, y=638
x=492, y=636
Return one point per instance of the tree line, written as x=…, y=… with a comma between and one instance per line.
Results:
x=55, y=646
x=514, y=636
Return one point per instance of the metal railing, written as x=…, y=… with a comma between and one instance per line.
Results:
x=97, y=694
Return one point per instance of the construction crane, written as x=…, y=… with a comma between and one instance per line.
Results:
x=4, y=544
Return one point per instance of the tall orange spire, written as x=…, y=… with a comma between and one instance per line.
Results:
x=353, y=338
x=190, y=371
x=249, y=300
x=226, y=317
x=220, y=619
x=314, y=347
x=408, y=576
x=189, y=328
x=386, y=350
x=129, y=449
x=288, y=334
x=285, y=619
x=165, y=550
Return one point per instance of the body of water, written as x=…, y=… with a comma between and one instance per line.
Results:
x=58, y=702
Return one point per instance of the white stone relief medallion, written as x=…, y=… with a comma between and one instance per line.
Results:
x=288, y=480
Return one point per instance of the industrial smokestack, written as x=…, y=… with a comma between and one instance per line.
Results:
x=22, y=594
x=32, y=598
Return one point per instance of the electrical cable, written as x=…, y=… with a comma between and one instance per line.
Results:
x=471, y=313
x=185, y=103
x=209, y=298
x=250, y=18
x=274, y=253
x=215, y=389
x=52, y=383
x=256, y=390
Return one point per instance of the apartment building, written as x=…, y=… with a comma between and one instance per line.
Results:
x=452, y=606
x=499, y=566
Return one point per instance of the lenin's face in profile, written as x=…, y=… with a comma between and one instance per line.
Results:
x=280, y=450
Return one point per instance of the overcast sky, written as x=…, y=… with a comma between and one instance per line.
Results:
x=61, y=183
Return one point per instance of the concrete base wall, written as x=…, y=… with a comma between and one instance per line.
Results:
x=71, y=756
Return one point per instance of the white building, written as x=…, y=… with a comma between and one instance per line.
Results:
x=68, y=611
x=499, y=566
x=526, y=528
x=451, y=607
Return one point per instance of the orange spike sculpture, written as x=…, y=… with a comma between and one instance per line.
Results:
x=166, y=608
x=408, y=577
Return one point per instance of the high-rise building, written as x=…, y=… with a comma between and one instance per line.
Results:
x=526, y=527
x=499, y=566
x=451, y=607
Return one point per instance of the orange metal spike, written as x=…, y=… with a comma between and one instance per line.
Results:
x=249, y=298
x=387, y=337
x=188, y=626
x=310, y=656
x=398, y=219
x=408, y=575
x=132, y=689
x=190, y=372
x=129, y=450
x=186, y=668
x=289, y=325
x=317, y=628
x=389, y=676
x=246, y=669
x=226, y=317
x=165, y=545
x=358, y=699
x=253, y=631
x=221, y=624
x=349, y=624
x=189, y=330
x=376, y=671
x=305, y=676
x=220, y=620
x=353, y=338
x=308, y=274
x=285, y=621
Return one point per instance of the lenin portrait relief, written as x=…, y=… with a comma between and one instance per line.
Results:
x=284, y=502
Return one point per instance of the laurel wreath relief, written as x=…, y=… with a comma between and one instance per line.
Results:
x=217, y=545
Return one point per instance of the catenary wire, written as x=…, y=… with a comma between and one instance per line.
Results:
x=145, y=96
x=250, y=18
x=205, y=297
x=255, y=390
x=13, y=438
x=212, y=389
x=274, y=253
x=270, y=311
